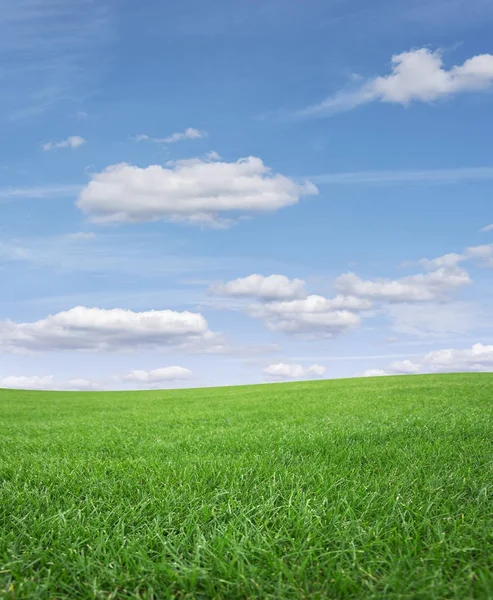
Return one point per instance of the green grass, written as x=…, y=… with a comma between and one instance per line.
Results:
x=363, y=488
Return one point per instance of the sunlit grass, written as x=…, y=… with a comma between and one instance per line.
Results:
x=363, y=488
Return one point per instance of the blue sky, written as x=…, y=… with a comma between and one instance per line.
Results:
x=223, y=193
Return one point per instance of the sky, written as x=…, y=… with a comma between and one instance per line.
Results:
x=199, y=194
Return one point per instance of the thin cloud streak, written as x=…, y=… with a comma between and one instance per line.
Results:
x=431, y=176
x=48, y=191
x=51, y=52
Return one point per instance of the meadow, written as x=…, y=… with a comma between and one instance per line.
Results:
x=358, y=489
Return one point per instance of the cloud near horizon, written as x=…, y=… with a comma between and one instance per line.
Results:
x=283, y=371
x=478, y=358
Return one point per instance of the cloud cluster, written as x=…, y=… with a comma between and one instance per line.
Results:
x=73, y=141
x=107, y=330
x=477, y=358
x=143, y=379
x=195, y=191
x=418, y=75
x=284, y=305
x=421, y=304
x=282, y=371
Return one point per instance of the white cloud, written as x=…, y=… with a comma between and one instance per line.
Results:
x=404, y=367
x=290, y=371
x=157, y=376
x=398, y=367
x=73, y=141
x=112, y=330
x=81, y=236
x=414, y=288
x=189, y=134
x=482, y=254
x=46, y=382
x=272, y=287
x=314, y=316
x=416, y=76
x=477, y=358
x=374, y=373
x=26, y=383
x=284, y=305
x=487, y=228
x=194, y=191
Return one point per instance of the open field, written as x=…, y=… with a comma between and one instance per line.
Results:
x=362, y=488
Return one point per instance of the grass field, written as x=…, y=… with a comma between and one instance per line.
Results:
x=362, y=488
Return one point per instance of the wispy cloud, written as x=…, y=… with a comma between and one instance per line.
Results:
x=487, y=228
x=431, y=176
x=73, y=141
x=51, y=52
x=189, y=134
x=41, y=191
x=418, y=75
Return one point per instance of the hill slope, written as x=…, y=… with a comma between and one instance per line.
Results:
x=362, y=488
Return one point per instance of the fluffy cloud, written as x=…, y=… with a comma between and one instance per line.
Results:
x=374, y=373
x=289, y=371
x=487, y=228
x=195, y=191
x=314, y=316
x=73, y=141
x=101, y=330
x=483, y=255
x=416, y=76
x=284, y=305
x=414, y=288
x=273, y=287
x=158, y=375
x=477, y=358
